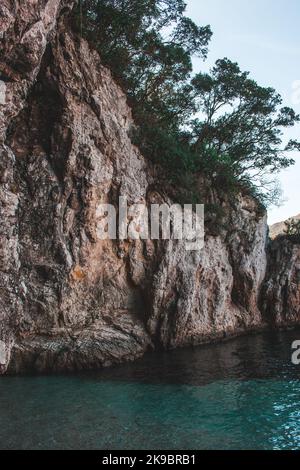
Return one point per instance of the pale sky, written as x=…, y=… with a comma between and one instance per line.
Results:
x=263, y=36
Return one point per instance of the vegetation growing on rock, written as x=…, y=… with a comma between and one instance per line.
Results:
x=292, y=230
x=222, y=124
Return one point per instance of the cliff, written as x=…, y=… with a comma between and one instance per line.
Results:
x=69, y=300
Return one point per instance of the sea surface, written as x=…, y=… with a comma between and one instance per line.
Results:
x=242, y=394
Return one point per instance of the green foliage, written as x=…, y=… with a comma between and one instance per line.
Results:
x=165, y=148
x=236, y=138
x=292, y=230
x=216, y=219
x=172, y=152
x=242, y=122
x=148, y=45
x=218, y=168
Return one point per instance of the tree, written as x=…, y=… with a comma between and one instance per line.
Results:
x=241, y=125
x=236, y=138
x=148, y=45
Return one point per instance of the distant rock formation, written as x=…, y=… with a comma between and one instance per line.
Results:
x=279, y=228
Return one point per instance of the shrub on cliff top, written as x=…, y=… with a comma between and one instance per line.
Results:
x=292, y=230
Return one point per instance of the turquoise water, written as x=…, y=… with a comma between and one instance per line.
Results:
x=243, y=394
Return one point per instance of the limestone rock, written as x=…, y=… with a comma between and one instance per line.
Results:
x=280, y=296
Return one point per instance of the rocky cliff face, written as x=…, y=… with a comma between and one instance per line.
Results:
x=280, y=295
x=69, y=300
